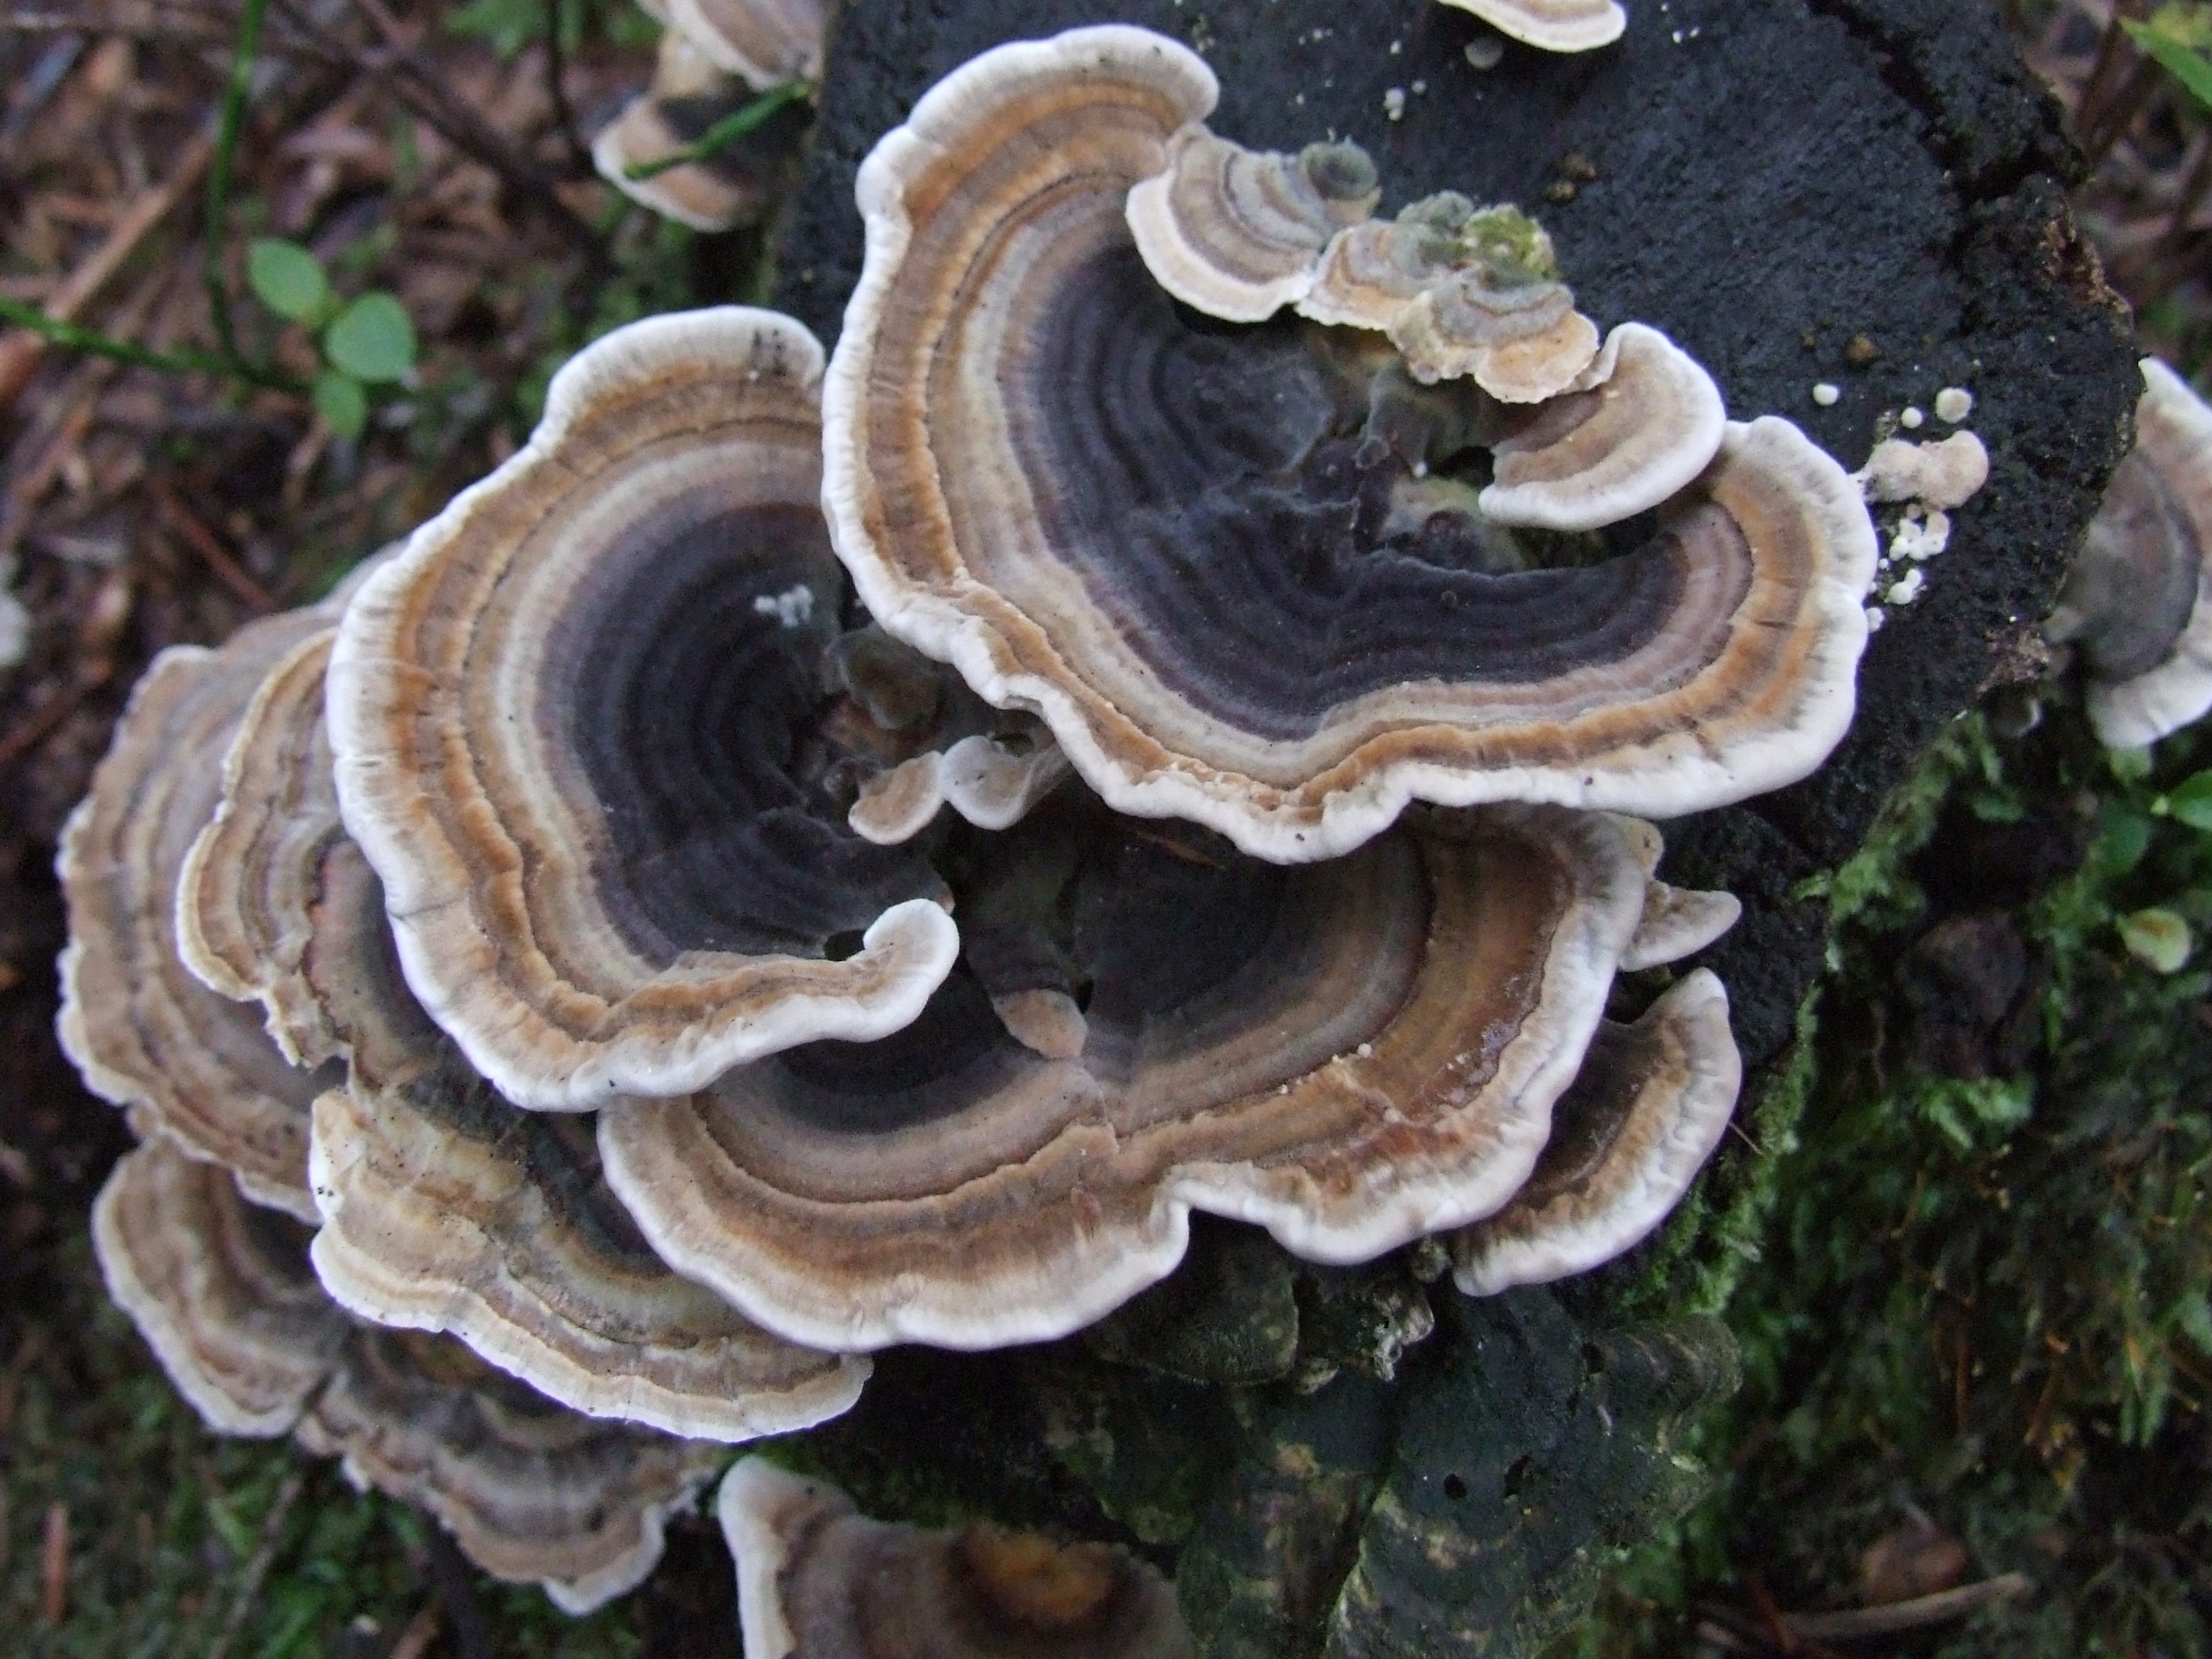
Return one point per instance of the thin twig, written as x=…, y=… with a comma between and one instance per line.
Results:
x=563, y=112
x=264, y=1557
x=218, y=558
x=402, y=71
x=236, y=93
x=19, y=354
x=448, y=1576
x=176, y=360
x=1922, y=1611
x=736, y=125
x=54, y=1566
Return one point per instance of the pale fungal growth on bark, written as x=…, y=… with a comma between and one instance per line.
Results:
x=689, y=93
x=2137, y=608
x=1590, y=459
x=1026, y=448
x=1553, y=25
x=1239, y=233
x=565, y=721
x=220, y=1290
x=1647, y=1110
x=818, y=1580
x=1677, y=921
x=187, y=1063
x=1521, y=343
x=530, y=1493
x=1943, y=474
x=955, y=1185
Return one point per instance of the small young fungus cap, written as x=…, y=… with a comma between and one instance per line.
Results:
x=1553, y=25
x=1648, y=1109
x=1629, y=444
x=816, y=1578
x=571, y=725
x=1239, y=233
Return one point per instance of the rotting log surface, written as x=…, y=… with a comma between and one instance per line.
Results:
x=1774, y=180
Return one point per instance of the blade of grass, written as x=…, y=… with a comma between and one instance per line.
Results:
x=736, y=125
x=176, y=360
x=236, y=93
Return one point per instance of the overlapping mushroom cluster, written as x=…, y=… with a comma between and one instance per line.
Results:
x=564, y=920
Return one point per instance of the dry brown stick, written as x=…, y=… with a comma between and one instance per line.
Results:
x=204, y=542
x=264, y=1558
x=1890, y=1619
x=2135, y=92
x=54, y=1566
x=20, y=349
x=421, y=1631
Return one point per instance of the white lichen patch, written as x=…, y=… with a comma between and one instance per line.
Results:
x=1875, y=617
x=1394, y=103
x=1486, y=52
x=1954, y=404
x=1906, y=590
x=1912, y=419
x=1827, y=394
x=791, y=608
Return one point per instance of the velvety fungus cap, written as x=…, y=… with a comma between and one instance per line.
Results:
x=575, y=726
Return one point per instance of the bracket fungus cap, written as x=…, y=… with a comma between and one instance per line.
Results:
x=1239, y=233
x=1351, y=1054
x=763, y=42
x=1597, y=456
x=2138, y=603
x=689, y=95
x=817, y=1579
x=219, y=1289
x=1553, y=25
x=185, y=1061
x=532, y=1492
x=563, y=720
x=1647, y=1111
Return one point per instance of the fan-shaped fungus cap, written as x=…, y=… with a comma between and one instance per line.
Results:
x=187, y=1063
x=689, y=93
x=818, y=1580
x=1239, y=233
x=1677, y=921
x=2138, y=603
x=1595, y=457
x=219, y=1289
x=764, y=42
x=247, y=893
x=1553, y=25
x=571, y=724
x=1152, y=534
x=1651, y=1102
x=530, y=1491
x=1350, y=1054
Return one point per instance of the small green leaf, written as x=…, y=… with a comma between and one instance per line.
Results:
x=2158, y=939
x=2191, y=802
x=371, y=340
x=2129, y=765
x=341, y=402
x=2123, y=836
x=2176, y=55
x=288, y=279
